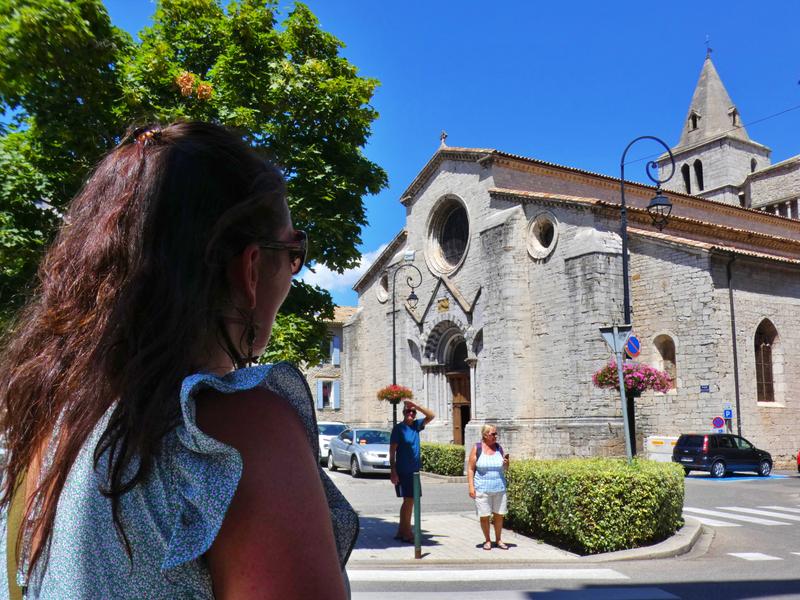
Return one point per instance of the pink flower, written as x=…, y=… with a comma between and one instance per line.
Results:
x=638, y=377
x=394, y=393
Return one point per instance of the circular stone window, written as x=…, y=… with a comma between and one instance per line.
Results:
x=448, y=236
x=542, y=235
x=382, y=289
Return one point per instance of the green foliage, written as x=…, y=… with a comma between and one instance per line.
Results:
x=72, y=82
x=442, y=459
x=299, y=329
x=595, y=505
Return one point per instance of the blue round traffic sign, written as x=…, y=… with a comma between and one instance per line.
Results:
x=633, y=346
x=718, y=422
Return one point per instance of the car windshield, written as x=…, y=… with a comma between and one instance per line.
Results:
x=372, y=436
x=331, y=428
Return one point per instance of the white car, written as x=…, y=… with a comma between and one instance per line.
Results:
x=327, y=431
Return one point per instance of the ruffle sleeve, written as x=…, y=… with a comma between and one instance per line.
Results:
x=206, y=472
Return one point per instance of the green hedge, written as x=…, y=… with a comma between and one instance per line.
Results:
x=442, y=459
x=595, y=505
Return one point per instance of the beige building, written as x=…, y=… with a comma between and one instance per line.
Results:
x=521, y=265
x=325, y=379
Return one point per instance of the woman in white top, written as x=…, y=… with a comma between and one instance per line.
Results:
x=486, y=475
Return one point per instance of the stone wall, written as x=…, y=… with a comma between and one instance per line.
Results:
x=673, y=295
x=765, y=291
x=780, y=183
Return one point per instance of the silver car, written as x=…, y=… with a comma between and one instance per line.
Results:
x=360, y=450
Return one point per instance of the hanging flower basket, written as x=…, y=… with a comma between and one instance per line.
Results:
x=394, y=393
x=638, y=378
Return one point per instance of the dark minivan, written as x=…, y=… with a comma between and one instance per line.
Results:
x=720, y=453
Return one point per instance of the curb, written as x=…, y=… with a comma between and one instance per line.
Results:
x=444, y=478
x=680, y=543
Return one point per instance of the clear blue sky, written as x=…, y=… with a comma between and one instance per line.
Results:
x=566, y=82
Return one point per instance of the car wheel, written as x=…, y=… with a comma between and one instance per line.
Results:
x=764, y=468
x=686, y=472
x=355, y=470
x=331, y=464
x=718, y=469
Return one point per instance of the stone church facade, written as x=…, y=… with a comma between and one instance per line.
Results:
x=521, y=264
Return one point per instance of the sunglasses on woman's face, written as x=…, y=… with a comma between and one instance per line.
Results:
x=297, y=249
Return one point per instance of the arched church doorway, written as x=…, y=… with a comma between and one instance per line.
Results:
x=457, y=373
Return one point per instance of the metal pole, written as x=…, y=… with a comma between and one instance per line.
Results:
x=733, y=344
x=417, y=518
x=394, y=345
x=626, y=292
x=623, y=400
x=624, y=215
x=410, y=282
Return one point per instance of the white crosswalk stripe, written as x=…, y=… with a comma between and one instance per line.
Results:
x=714, y=522
x=746, y=519
x=605, y=593
x=753, y=556
x=763, y=513
x=461, y=575
x=784, y=508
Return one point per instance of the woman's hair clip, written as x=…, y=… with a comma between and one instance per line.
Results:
x=146, y=135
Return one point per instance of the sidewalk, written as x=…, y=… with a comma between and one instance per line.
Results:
x=456, y=539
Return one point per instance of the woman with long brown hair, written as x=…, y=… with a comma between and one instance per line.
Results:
x=144, y=458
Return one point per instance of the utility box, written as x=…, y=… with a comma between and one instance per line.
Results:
x=659, y=447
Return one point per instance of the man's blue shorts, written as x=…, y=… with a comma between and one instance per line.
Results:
x=405, y=489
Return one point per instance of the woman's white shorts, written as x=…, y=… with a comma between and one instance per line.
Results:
x=488, y=503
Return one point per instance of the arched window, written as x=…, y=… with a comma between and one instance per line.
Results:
x=698, y=174
x=753, y=165
x=665, y=347
x=693, y=121
x=687, y=179
x=765, y=340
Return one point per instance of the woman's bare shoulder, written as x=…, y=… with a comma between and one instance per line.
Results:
x=260, y=412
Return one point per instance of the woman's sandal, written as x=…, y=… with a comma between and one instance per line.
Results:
x=487, y=546
x=502, y=545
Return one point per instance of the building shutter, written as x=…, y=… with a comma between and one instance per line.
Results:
x=319, y=394
x=336, y=399
x=337, y=346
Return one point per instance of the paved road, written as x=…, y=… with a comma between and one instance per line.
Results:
x=750, y=549
x=374, y=494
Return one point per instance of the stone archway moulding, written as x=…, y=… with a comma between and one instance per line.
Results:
x=437, y=327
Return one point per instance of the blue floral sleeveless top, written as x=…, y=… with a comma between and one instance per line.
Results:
x=173, y=517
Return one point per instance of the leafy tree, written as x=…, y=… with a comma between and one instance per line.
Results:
x=58, y=87
x=72, y=82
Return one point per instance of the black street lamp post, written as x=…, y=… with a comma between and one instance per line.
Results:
x=412, y=301
x=659, y=210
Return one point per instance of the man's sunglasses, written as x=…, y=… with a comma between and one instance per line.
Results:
x=297, y=249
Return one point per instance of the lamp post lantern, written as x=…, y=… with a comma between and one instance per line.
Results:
x=412, y=301
x=659, y=210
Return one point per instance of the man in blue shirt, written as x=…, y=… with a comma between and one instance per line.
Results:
x=405, y=461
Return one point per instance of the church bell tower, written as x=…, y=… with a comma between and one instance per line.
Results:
x=715, y=154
